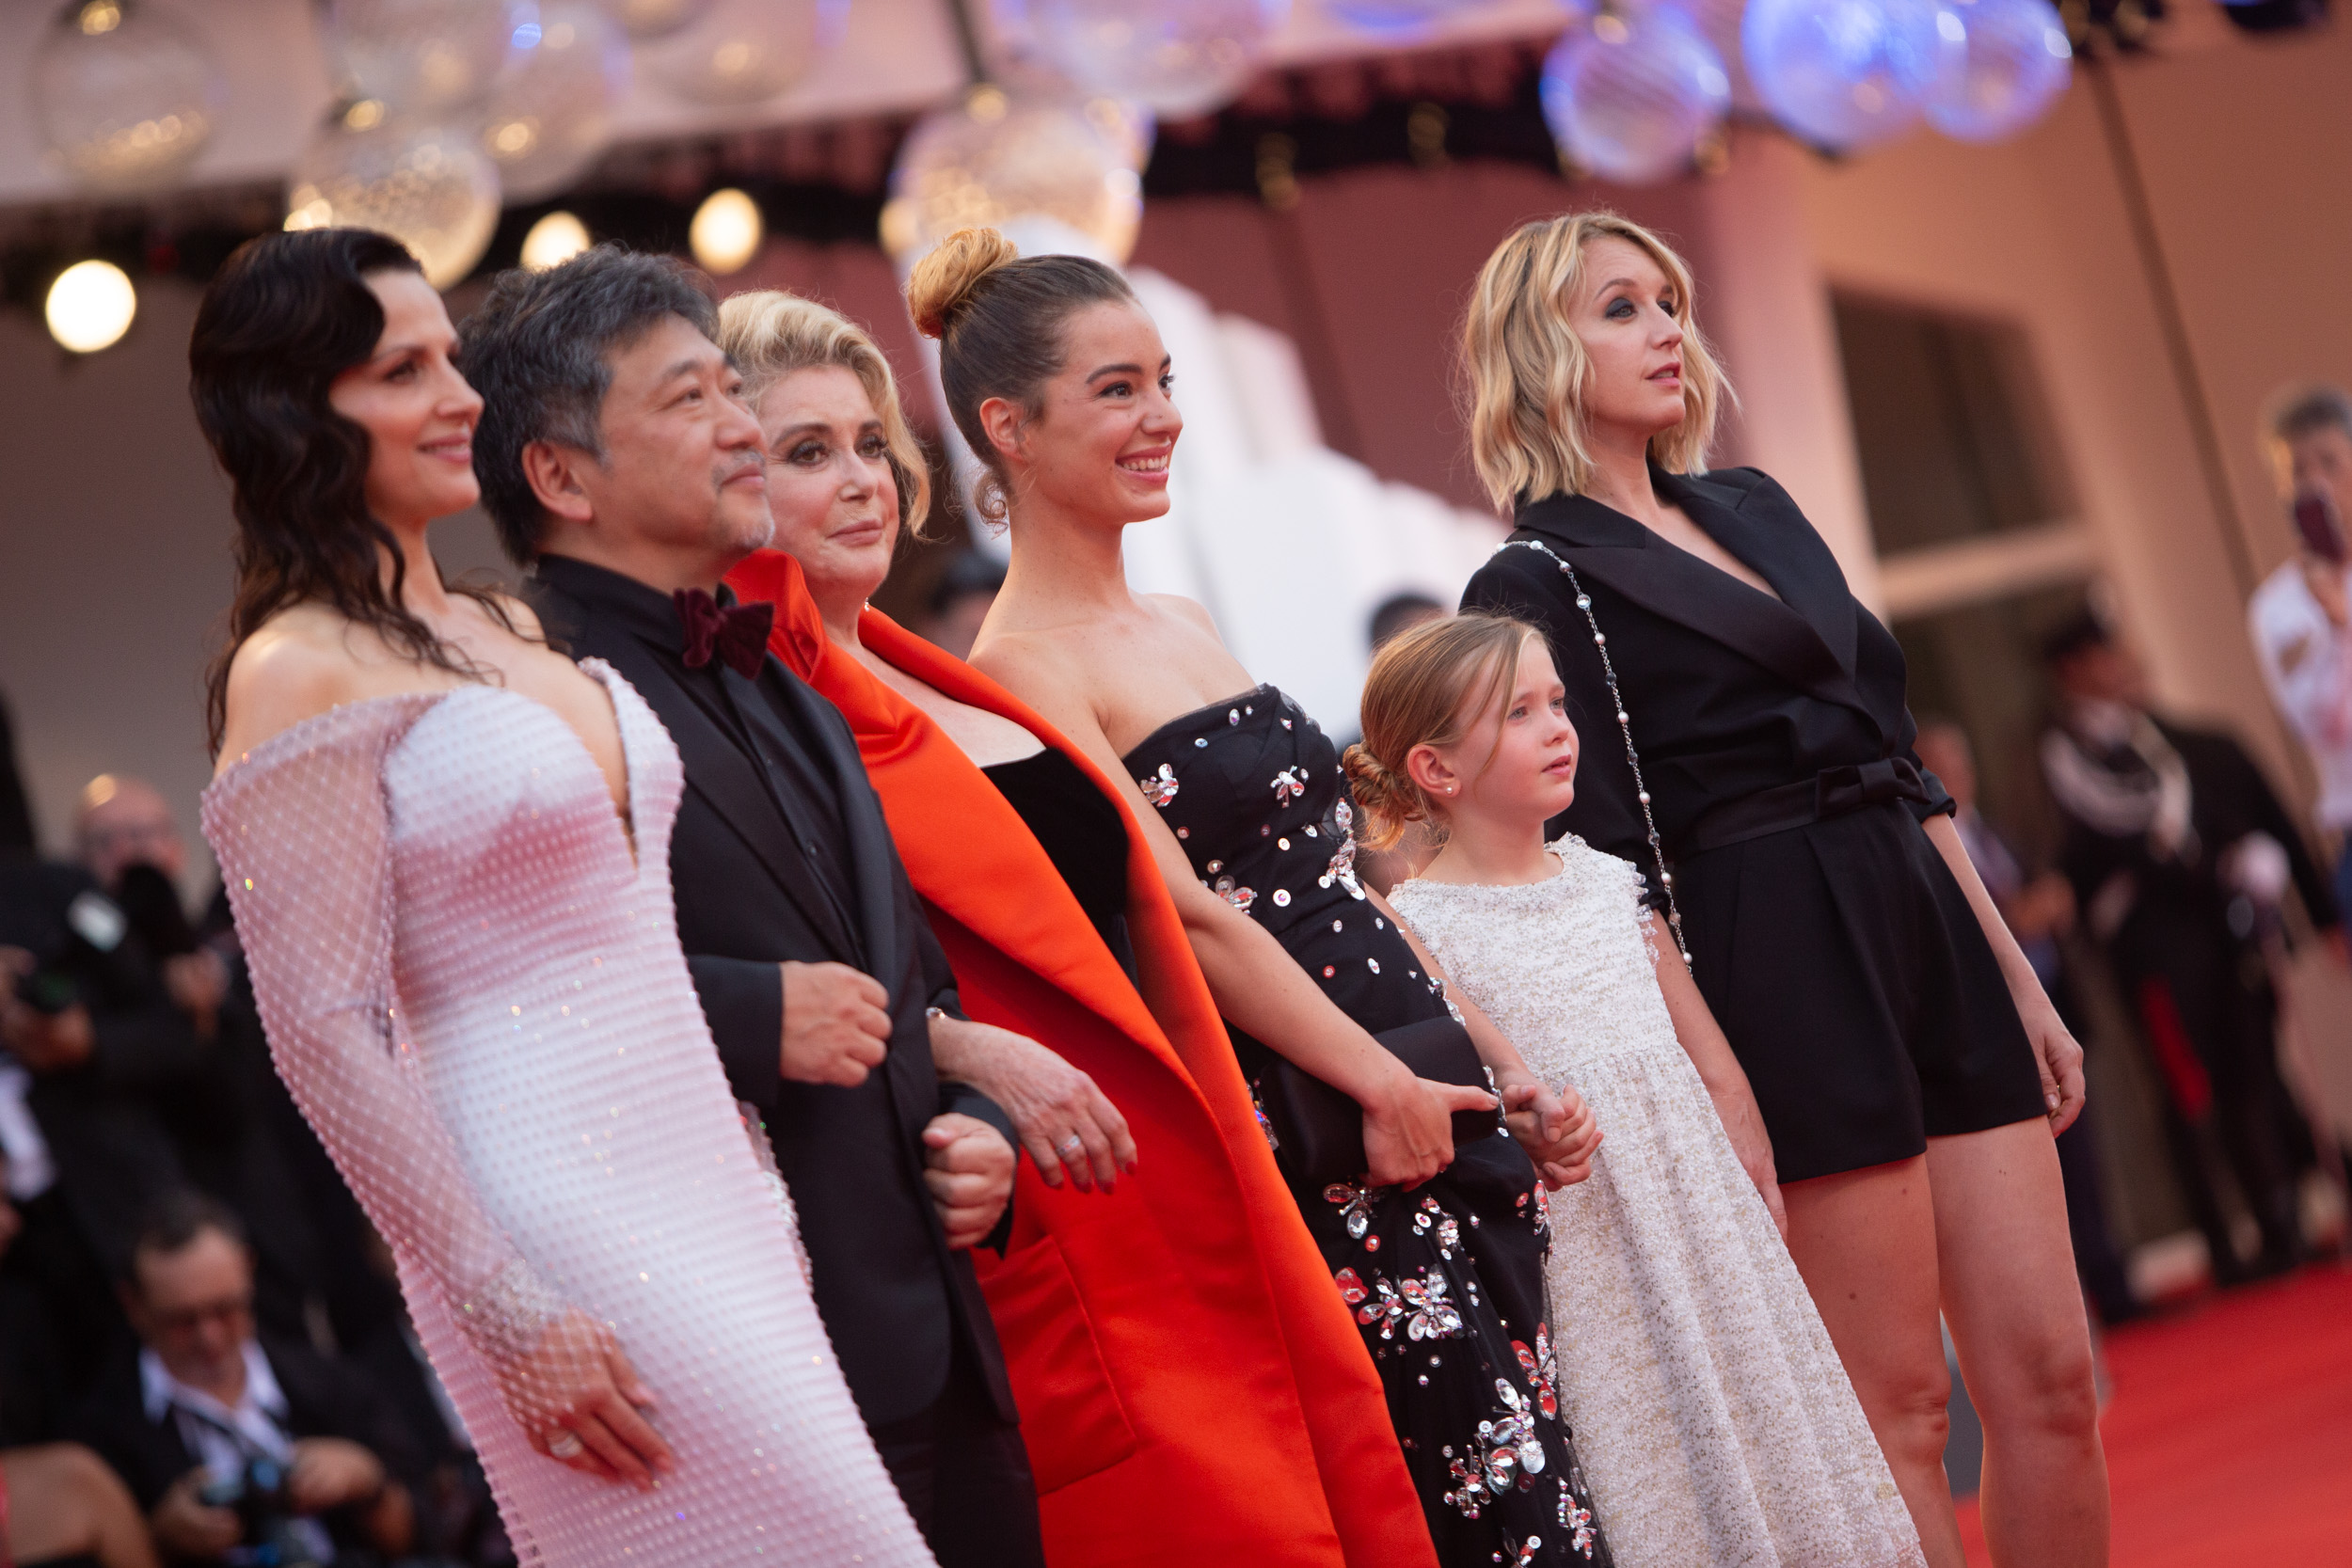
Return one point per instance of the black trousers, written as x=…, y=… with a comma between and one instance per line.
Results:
x=2208, y=1018
x=965, y=1477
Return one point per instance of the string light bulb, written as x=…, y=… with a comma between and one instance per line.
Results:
x=91, y=306
x=554, y=240
x=726, y=233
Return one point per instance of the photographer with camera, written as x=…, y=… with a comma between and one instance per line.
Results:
x=94, y=1049
x=2301, y=616
x=241, y=1450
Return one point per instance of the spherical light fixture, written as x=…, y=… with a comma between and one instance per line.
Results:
x=91, y=306
x=744, y=51
x=420, y=58
x=653, y=19
x=2017, y=63
x=429, y=187
x=126, y=96
x=1846, y=73
x=996, y=162
x=550, y=109
x=554, y=240
x=1630, y=96
x=726, y=233
x=1175, y=57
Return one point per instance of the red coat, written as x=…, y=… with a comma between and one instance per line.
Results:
x=1192, y=1389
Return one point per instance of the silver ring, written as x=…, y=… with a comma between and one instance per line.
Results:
x=565, y=1445
x=1071, y=1146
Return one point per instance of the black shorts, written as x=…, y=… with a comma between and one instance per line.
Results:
x=1846, y=967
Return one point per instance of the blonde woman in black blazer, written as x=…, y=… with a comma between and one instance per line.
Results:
x=1909, y=1069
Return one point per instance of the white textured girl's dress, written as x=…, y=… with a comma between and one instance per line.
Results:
x=475, y=990
x=1716, y=1422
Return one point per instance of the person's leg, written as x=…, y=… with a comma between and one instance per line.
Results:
x=909, y=1451
x=63, y=1501
x=2017, y=1315
x=985, y=1502
x=2096, y=1259
x=1864, y=1242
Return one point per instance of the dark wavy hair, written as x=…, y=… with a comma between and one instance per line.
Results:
x=287, y=314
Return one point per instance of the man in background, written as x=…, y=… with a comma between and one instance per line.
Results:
x=241, y=1450
x=2181, y=858
x=2298, y=617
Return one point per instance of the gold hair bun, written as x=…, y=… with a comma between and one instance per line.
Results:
x=942, y=282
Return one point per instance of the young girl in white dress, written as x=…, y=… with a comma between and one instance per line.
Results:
x=1716, y=1422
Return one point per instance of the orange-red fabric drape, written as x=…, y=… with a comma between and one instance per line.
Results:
x=1192, y=1389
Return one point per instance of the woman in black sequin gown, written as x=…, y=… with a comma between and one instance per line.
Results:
x=1445, y=1278
x=1059, y=380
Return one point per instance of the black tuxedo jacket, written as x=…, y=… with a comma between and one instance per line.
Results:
x=2229, y=798
x=1731, y=691
x=325, y=1398
x=781, y=852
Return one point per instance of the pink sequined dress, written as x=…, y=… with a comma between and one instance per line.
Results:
x=474, y=989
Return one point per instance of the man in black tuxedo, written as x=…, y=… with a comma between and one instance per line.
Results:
x=618, y=461
x=2181, y=855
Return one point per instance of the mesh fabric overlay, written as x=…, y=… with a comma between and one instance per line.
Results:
x=474, y=989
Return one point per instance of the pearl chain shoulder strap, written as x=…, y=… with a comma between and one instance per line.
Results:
x=1625, y=724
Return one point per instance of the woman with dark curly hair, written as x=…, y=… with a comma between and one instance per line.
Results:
x=447, y=847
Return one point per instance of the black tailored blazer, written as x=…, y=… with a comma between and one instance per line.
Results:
x=750, y=895
x=1730, y=691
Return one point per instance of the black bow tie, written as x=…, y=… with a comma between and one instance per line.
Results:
x=737, y=634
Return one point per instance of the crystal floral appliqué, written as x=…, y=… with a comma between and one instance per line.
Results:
x=1234, y=893
x=1543, y=1372
x=1355, y=1206
x=1289, y=784
x=1159, y=788
x=1420, y=1305
x=1431, y=1218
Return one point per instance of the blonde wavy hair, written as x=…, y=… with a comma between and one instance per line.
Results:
x=1527, y=370
x=1427, y=687
x=770, y=333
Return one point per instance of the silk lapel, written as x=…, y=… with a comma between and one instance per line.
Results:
x=875, y=918
x=713, y=764
x=1614, y=548
x=1093, y=977
x=1781, y=546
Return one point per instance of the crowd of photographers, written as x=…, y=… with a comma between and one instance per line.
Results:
x=202, y=1354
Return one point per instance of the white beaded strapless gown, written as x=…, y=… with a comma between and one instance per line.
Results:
x=1714, y=1420
x=475, y=990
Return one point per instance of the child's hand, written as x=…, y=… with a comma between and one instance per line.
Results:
x=1744, y=1125
x=1557, y=1131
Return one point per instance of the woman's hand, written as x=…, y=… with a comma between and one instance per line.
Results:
x=1743, y=1124
x=1408, y=1131
x=2057, y=1056
x=577, y=1398
x=1558, y=1130
x=1064, y=1120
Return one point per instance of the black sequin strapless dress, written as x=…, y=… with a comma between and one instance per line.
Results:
x=1445, y=1281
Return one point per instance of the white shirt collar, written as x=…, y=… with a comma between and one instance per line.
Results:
x=263, y=1398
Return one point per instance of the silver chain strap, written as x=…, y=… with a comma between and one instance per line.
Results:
x=1625, y=724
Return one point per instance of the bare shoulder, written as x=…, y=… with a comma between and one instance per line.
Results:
x=304, y=661
x=1035, y=666
x=520, y=616
x=1191, y=611
x=298, y=665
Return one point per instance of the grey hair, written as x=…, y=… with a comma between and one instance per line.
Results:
x=539, y=352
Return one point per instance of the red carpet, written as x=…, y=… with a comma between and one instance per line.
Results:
x=2230, y=1434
